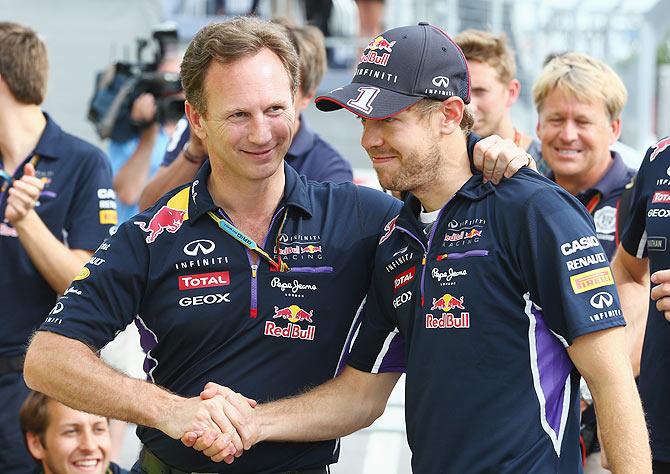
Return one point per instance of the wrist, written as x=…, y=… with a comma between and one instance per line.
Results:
x=25, y=222
x=161, y=411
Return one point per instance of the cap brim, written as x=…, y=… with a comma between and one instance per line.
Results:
x=383, y=104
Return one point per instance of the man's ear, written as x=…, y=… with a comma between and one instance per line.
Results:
x=35, y=446
x=195, y=120
x=513, y=91
x=615, y=127
x=451, y=114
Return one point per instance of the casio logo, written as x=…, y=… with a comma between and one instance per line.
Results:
x=202, y=246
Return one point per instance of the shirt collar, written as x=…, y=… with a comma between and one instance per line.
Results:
x=303, y=140
x=200, y=201
x=50, y=143
x=615, y=177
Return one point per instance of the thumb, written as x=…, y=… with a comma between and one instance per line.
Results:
x=28, y=170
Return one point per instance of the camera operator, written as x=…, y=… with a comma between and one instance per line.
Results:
x=136, y=160
x=56, y=207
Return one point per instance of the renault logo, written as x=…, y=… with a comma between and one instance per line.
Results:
x=441, y=81
x=202, y=246
x=602, y=300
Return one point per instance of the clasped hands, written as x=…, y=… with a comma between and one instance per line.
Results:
x=220, y=423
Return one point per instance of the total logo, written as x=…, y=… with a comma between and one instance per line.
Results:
x=448, y=320
x=204, y=280
x=200, y=246
x=204, y=299
x=661, y=196
x=294, y=314
x=404, y=278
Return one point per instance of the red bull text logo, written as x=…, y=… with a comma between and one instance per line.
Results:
x=456, y=236
x=374, y=58
x=298, y=250
x=167, y=218
x=658, y=148
x=294, y=314
x=448, y=321
x=381, y=44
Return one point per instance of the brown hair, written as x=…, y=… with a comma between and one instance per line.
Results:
x=23, y=63
x=228, y=41
x=490, y=49
x=426, y=107
x=34, y=415
x=583, y=77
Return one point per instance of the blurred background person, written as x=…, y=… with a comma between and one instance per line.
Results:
x=65, y=441
x=56, y=207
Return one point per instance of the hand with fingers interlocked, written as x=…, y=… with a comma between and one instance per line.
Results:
x=239, y=426
x=497, y=158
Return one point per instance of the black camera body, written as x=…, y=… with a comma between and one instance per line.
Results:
x=117, y=87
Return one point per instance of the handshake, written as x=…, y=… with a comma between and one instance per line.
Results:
x=220, y=423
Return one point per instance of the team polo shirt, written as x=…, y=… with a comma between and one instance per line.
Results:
x=77, y=205
x=487, y=303
x=646, y=236
x=602, y=201
x=309, y=154
x=205, y=314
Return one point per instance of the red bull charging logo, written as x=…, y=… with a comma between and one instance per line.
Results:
x=447, y=303
x=169, y=217
x=381, y=44
x=293, y=313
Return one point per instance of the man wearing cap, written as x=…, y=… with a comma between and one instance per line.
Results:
x=250, y=275
x=474, y=281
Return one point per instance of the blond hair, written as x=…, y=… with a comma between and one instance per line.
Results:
x=583, y=77
x=426, y=107
x=227, y=42
x=490, y=49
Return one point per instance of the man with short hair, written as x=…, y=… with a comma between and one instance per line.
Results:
x=56, y=207
x=63, y=440
x=495, y=88
x=479, y=284
x=250, y=275
x=309, y=154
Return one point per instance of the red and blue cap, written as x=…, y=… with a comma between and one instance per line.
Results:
x=400, y=67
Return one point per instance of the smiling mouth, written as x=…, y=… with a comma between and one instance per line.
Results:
x=87, y=464
x=567, y=152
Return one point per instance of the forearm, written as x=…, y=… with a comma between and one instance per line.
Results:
x=57, y=264
x=132, y=176
x=86, y=383
x=334, y=409
x=180, y=171
x=622, y=430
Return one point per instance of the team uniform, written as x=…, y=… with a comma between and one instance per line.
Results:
x=206, y=313
x=646, y=236
x=309, y=154
x=602, y=202
x=486, y=300
x=77, y=205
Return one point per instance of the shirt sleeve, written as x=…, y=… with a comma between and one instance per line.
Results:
x=106, y=295
x=181, y=135
x=564, y=266
x=378, y=347
x=634, y=238
x=92, y=213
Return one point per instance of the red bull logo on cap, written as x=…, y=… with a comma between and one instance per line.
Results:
x=293, y=313
x=169, y=217
x=447, y=302
x=380, y=43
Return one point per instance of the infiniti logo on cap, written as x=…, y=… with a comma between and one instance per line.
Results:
x=441, y=81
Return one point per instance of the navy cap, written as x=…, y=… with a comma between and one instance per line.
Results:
x=400, y=67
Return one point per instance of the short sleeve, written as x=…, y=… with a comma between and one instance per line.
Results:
x=93, y=210
x=106, y=295
x=565, y=267
x=634, y=238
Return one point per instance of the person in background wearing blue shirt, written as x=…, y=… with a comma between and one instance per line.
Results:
x=65, y=441
x=479, y=284
x=308, y=154
x=56, y=207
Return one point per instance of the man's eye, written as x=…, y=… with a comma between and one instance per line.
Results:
x=389, y=119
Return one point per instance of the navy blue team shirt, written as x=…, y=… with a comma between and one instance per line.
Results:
x=485, y=306
x=77, y=205
x=206, y=315
x=309, y=154
x=646, y=236
x=602, y=201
